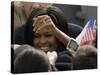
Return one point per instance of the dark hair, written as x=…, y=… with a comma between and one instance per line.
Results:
x=12, y=22
x=85, y=58
x=30, y=60
x=56, y=15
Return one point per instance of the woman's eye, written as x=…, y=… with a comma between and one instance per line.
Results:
x=36, y=35
x=48, y=34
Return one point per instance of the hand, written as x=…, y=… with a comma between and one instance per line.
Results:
x=43, y=21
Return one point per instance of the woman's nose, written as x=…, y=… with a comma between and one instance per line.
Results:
x=43, y=40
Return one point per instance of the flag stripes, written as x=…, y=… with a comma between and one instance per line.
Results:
x=88, y=36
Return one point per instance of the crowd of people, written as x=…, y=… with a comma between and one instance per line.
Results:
x=46, y=45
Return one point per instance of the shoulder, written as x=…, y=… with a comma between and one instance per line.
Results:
x=64, y=56
x=64, y=61
x=65, y=52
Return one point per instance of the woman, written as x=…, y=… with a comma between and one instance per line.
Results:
x=45, y=30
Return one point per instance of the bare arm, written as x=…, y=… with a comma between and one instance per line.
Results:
x=62, y=36
x=45, y=21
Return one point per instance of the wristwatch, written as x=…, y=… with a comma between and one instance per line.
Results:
x=72, y=44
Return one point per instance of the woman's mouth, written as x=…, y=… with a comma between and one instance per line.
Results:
x=45, y=48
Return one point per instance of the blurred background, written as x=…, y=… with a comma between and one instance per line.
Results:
x=75, y=14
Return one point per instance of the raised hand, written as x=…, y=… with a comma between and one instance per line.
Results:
x=43, y=21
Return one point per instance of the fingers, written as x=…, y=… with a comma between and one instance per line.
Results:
x=35, y=21
x=44, y=26
x=41, y=22
x=42, y=19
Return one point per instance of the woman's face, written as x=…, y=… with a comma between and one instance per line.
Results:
x=45, y=40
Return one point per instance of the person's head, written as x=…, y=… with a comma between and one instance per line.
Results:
x=29, y=60
x=45, y=37
x=85, y=58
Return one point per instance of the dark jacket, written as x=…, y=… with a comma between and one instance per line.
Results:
x=64, y=61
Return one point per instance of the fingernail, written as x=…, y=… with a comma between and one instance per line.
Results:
x=33, y=29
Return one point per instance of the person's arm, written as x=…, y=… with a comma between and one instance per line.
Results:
x=44, y=21
x=64, y=38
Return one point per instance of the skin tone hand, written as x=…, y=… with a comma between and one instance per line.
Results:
x=45, y=21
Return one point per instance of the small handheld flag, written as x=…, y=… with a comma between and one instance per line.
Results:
x=87, y=34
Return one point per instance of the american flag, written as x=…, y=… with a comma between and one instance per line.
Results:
x=87, y=34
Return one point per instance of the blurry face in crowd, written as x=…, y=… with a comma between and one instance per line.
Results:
x=29, y=6
x=40, y=5
x=35, y=5
x=45, y=40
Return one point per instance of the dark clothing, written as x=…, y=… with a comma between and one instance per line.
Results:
x=64, y=61
x=74, y=30
x=19, y=35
